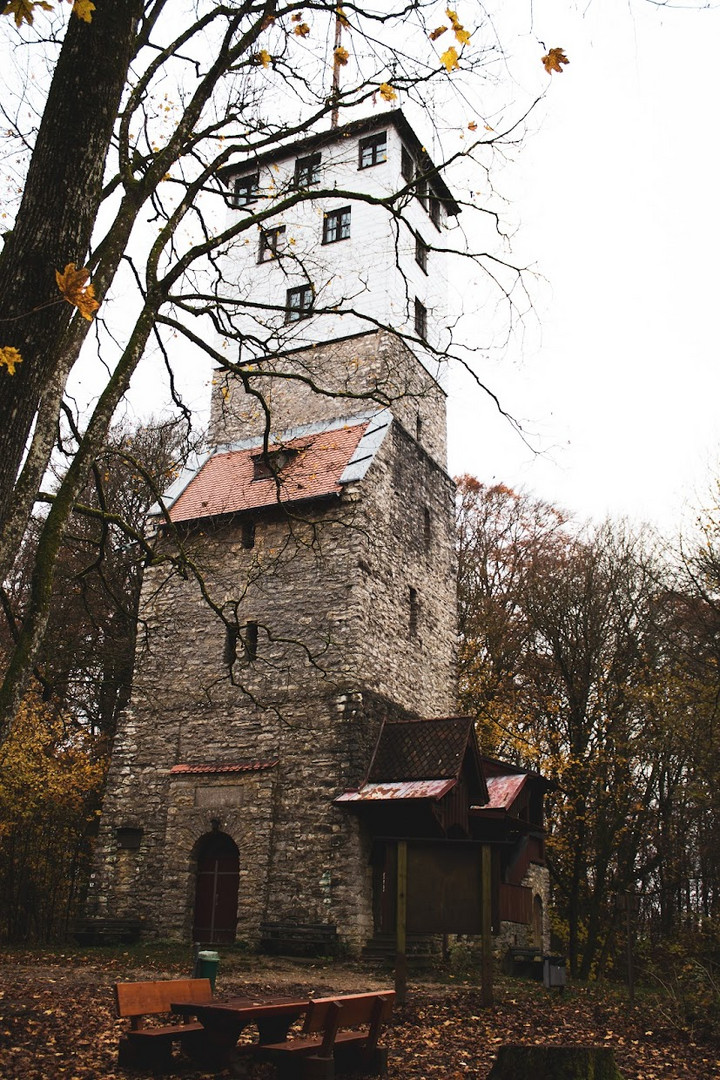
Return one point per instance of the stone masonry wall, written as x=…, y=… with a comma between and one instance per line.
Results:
x=329, y=591
x=344, y=377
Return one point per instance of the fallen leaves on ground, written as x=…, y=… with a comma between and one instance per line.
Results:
x=57, y=1019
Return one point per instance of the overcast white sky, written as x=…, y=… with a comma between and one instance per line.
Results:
x=618, y=201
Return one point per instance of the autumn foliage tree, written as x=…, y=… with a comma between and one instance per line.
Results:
x=588, y=656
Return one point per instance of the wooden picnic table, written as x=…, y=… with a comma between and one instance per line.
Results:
x=223, y=1022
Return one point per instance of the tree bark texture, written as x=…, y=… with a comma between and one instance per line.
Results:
x=57, y=214
x=555, y=1063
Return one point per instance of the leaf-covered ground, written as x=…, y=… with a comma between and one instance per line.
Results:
x=57, y=1018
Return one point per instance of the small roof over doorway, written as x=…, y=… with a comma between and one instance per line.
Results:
x=422, y=779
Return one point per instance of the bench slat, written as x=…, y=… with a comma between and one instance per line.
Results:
x=151, y=998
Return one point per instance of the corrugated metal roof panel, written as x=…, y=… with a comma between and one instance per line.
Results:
x=408, y=789
x=503, y=791
x=224, y=767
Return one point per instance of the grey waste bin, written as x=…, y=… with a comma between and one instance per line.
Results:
x=206, y=966
x=554, y=971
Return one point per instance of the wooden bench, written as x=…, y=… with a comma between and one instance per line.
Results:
x=327, y=1045
x=151, y=1047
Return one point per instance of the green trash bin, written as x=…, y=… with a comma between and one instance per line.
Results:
x=206, y=966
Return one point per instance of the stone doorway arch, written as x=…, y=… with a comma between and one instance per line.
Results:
x=216, y=889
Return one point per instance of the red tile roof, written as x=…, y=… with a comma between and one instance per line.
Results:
x=251, y=766
x=225, y=485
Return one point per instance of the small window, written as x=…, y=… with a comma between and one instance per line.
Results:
x=336, y=225
x=435, y=211
x=307, y=170
x=420, y=320
x=373, y=150
x=272, y=463
x=298, y=304
x=427, y=528
x=421, y=253
x=246, y=189
x=418, y=427
x=250, y=638
x=248, y=533
x=407, y=165
x=421, y=190
x=271, y=243
x=413, y=623
x=231, y=640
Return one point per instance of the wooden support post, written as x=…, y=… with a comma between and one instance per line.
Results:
x=486, y=977
x=401, y=925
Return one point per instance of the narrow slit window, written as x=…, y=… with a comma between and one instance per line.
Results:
x=427, y=528
x=418, y=427
x=336, y=225
x=413, y=621
x=248, y=534
x=251, y=640
x=435, y=211
x=231, y=641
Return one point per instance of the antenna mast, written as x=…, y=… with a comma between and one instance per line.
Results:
x=335, y=114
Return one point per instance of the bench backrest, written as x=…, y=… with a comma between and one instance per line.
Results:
x=350, y=1011
x=148, y=998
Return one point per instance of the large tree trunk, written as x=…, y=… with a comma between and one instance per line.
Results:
x=57, y=214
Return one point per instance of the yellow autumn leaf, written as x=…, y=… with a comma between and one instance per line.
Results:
x=263, y=57
x=386, y=92
x=302, y=30
x=22, y=10
x=75, y=286
x=472, y=126
x=341, y=56
x=83, y=9
x=462, y=35
x=554, y=60
x=297, y=17
x=449, y=58
x=9, y=358
x=437, y=32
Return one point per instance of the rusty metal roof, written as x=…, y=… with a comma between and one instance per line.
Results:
x=421, y=750
x=404, y=789
x=323, y=457
x=504, y=790
x=223, y=767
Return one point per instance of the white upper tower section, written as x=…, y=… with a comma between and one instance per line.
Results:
x=351, y=222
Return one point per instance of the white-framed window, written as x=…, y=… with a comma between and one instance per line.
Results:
x=336, y=225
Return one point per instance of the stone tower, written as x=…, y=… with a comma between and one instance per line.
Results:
x=318, y=598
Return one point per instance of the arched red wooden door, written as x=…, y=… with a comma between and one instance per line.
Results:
x=216, y=890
